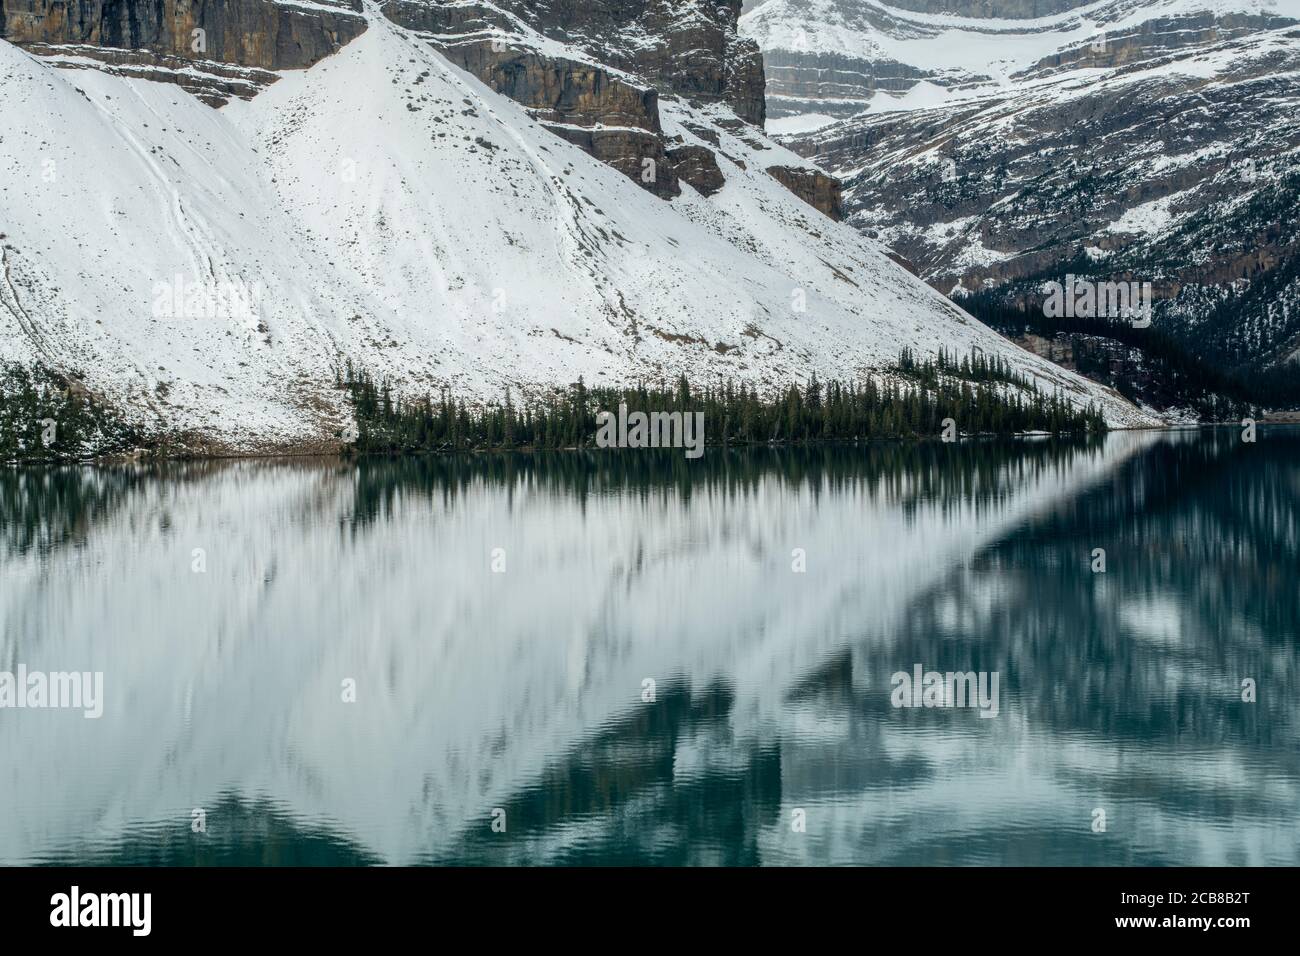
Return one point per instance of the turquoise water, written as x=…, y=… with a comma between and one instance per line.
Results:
x=632, y=658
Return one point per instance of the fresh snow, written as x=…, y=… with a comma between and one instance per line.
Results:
x=966, y=48
x=386, y=207
x=1149, y=218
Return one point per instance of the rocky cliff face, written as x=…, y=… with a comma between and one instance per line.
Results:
x=689, y=48
x=590, y=73
x=614, y=120
x=604, y=98
x=696, y=165
x=594, y=74
x=992, y=9
x=835, y=58
x=831, y=83
x=216, y=50
x=818, y=190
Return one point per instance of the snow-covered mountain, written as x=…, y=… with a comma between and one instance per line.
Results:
x=1146, y=140
x=208, y=266
x=835, y=58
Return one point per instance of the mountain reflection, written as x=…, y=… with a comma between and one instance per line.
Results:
x=522, y=691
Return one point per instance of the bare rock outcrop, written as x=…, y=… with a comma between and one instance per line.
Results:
x=216, y=50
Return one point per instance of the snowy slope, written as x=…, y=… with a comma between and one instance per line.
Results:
x=939, y=40
x=1146, y=138
x=386, y=207
x=111, y=187
x=1180, y=169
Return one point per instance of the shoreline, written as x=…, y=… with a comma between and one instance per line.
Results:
x=338, y=452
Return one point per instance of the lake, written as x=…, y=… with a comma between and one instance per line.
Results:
x=627, y=657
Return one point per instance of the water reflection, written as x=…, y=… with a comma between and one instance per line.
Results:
x=522, y=690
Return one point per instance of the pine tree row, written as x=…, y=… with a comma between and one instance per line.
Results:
x=966, y=391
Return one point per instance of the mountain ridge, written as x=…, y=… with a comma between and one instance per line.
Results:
x=1162, y=150
x=384, y=206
